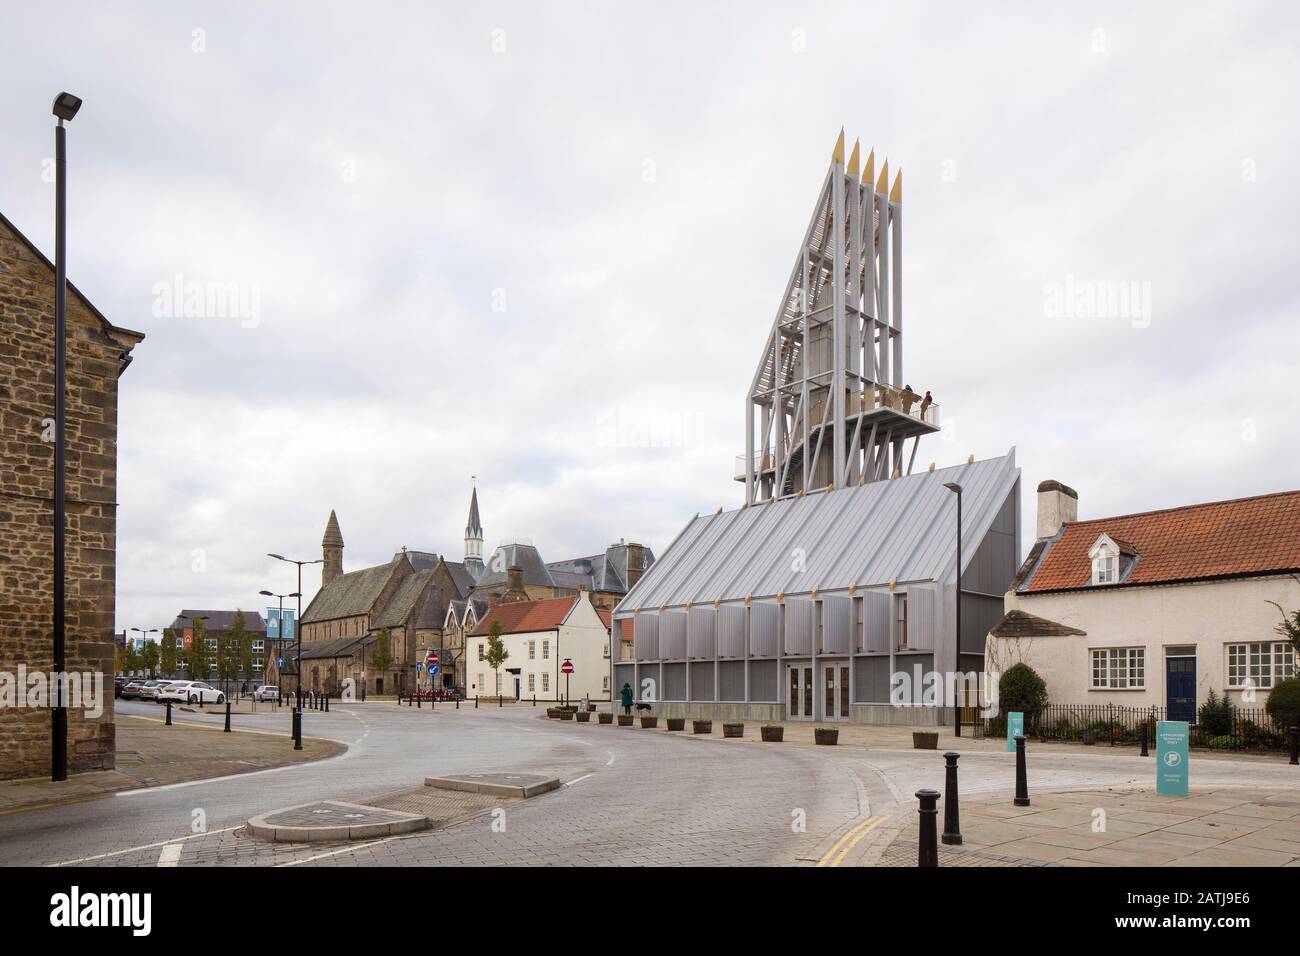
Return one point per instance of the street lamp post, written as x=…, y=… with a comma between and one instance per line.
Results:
x=297, y=626
x=65, y=108
x=279, y=625
x=956, y=650
x=144, y=634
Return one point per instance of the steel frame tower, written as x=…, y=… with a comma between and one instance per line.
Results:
x=827, y=406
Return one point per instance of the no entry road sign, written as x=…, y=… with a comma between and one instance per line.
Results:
x=566, y=667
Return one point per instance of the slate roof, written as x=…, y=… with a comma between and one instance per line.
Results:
x=335, y=647
x=1022, y=624
x=350, y=594
x=598, y=572
x=220, y=620
x=420, y=560
x=519, y=617
x=526, y=556
x=473, y=527
x=460, y=576
x=399, y=607
x=1220, y=539
x=865, y=535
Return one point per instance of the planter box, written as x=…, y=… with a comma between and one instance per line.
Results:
x=733, y=730
x=925, y=740
x=830, y=736
x=702, y=726
x=605, y=718
x=625, y=720
x=649, y=722
x=566, y=715
x=591, y=708
x=773, y=735
x=552, y=713
x=676, y=723
x=584, y=717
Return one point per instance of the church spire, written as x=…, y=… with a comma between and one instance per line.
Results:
x=331, y=551
x=474, y=538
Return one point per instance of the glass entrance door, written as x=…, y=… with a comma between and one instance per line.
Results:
x=799, y=680
x=835, y=691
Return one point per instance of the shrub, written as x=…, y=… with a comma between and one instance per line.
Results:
x=1223, y=742
x=1284, y=704
x=1021, y=689
x=1215, y=715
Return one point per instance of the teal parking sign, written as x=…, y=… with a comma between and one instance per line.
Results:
x=1015, y=725
x=1171, y=758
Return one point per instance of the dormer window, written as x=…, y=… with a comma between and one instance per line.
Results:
x=1112, y=559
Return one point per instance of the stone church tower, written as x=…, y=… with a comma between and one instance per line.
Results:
x=474, y=539
x=331, y=551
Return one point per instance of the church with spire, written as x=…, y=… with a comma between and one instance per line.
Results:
x=373, y=625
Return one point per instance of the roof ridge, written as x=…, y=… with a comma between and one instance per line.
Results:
x=1188, y=507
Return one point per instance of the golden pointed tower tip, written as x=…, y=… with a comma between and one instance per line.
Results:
x=838, y=154
x=853, y=160
x=896, y=193
x=882, y=184
x=869, y=170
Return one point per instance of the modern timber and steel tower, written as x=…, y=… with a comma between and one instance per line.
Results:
x=828, y=406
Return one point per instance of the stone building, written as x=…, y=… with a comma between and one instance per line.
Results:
x=98, y=352
x=428, y=602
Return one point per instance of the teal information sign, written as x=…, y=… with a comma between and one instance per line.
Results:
x=1171, y=758
x=1015, y=725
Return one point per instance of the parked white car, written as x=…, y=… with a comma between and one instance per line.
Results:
x=150, y=688
x=266, y=692
x=191, y=692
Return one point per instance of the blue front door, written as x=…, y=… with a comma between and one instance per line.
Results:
x=1180, y=684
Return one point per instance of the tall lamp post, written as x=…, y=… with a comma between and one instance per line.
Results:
x=65, y=108
x=279, y=624
x=297, y=625
x=956, y=650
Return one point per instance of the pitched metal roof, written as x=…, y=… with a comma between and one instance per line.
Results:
x=1220, y=539
x=866, y=535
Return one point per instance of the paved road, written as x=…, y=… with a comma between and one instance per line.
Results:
x=632, y=797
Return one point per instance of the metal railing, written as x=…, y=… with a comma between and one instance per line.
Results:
x=1116, y=725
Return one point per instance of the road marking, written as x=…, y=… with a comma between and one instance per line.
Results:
x=346, y=849
x=171, y=854
x=611, y=757
x=578, y=780
x=137, y=849
x=869, y=824
x=232, y=776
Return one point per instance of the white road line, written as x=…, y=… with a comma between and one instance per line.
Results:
x=346, y=849
x=137, y=849
x=171, y=854
x=579, y=780
x=233, y=776
x=611, y=757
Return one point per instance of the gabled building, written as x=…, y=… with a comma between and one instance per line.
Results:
x=1155, y=609
x=98, y=352
x=539, y=637
x=216, y=625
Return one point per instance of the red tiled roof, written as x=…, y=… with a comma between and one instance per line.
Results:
x=1220, y=539
x=606, y=616
x=518, y=617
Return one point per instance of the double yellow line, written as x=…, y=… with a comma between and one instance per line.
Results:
x=836, y=854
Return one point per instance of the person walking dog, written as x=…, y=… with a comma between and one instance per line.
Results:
x=625, y=697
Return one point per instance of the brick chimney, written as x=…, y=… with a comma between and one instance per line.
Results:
x=1057, y=505
x=514, y=585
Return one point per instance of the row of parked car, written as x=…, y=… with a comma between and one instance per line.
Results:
x=182, y=691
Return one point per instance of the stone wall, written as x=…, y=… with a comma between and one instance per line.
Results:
x=95, y=358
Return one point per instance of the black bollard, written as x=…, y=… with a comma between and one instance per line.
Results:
x=1022, y=782
x=1295, y=746
x=417, y=699
x=476, y=701
x=951, y=814
x=169, y=713
x=327, y=702
x=458, y=701
x=1144, y=752
x=227, y=716
x=297, y=730
x=927, y=848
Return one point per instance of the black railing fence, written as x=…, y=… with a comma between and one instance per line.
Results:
x=1115, y=725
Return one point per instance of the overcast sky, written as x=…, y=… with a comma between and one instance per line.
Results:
x=538, y=243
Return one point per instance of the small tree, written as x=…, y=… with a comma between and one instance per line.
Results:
x=167, y=653
x=1021, y=689
x=230, y=651
x=199, y=661
x=496, y=653
x=1289, y=629
x=149, y=658
x=381, y=656
x=1215, y=715
x=1283, y=703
